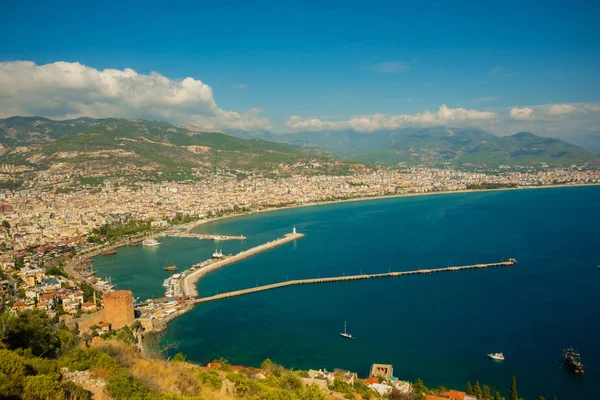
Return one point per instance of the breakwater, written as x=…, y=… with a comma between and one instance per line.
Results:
x=187, y=285
x=272, y=286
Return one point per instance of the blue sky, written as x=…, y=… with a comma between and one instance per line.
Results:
x=331, y=63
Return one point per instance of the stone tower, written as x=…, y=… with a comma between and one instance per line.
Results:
x=118, y=308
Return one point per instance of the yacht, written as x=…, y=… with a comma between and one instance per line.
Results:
x=151, y=242
x=496, y=356
x=346, y=334
x=217, y=254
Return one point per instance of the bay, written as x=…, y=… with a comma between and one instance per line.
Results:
x=436, y=327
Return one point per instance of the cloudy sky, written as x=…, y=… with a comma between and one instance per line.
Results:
x=286, y=66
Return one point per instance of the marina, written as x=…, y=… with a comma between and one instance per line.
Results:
x=199, y=270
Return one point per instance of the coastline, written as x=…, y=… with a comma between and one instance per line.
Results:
x=195, y=224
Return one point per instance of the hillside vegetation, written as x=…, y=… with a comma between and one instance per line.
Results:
x=38, y=143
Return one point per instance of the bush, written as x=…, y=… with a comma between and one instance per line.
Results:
x=210, y=379
x=312, y=392
x=75, y=392
x=42, y=387
x=124, y=386
x=42, y=366
x=12, y=365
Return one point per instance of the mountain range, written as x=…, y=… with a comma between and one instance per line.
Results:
x=440, y=145
x=121, y=145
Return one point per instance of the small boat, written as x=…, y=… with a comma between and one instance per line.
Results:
x=108, y=252
x=346, y=334
x=496, y=356
x=151, y=242
x=573, y=361
x=170, y=268
x=218, y=254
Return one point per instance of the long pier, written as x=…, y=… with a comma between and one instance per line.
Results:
x=188, y=286
x=272, y=286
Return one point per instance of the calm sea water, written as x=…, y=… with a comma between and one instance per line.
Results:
x=435, y=327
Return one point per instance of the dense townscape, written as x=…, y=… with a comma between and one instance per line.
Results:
x=36, y=216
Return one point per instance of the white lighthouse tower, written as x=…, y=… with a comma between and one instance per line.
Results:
x=294, y=231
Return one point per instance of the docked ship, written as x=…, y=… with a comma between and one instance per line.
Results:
x=573, y=361
x=218, y=254
x=170, y=268
x=496, y=356
x=108, y=252
x=151, y=242
x=346, y=334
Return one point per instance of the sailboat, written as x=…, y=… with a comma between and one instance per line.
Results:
x=346, y=334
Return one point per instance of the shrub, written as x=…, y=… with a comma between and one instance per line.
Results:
x=74, y=392
x=210, y=379
x=11, y=364
x=42, y=366
x=42, y=387
x=123, y=386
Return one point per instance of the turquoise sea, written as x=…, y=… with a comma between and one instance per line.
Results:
x=436, y=327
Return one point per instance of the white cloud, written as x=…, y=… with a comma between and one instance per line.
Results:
x=369, y=123
x=240, y=86
x=561, y=109
x=69, y=90
x=521, y=113
x=555, y=112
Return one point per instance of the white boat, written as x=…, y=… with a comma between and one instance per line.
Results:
x=217, y=254
x=346, y=334
x=496, y=356
x=151, y=242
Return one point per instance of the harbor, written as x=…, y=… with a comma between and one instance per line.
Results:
x=197, y=271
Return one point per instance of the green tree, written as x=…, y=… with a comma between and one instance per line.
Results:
x=469, y=388
x=541, y=398
x=32, y=329
x=477, y=390
x=486, y=392
x=419, y=386
x=179, y=357
x=513, y=389
x=497, y=396
x=6, y=224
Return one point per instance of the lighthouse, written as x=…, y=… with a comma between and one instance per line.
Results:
x=294, y=231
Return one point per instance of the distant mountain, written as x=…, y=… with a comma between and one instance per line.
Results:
x=590, y=142
x=436, y=146
x=38, y=142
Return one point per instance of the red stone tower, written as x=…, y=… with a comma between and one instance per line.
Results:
x=118, y=308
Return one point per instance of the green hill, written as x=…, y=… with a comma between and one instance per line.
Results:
x=111, y=143
x=438, y=146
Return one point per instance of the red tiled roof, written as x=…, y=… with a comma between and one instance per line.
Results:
x=455, y=395
x=371, y=380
